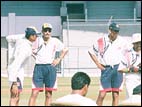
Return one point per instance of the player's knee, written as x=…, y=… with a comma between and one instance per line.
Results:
x=115, y=95
x=18, y=99
x=15, y=99
x=102, y=95
x=48, y=94
x=35, y=94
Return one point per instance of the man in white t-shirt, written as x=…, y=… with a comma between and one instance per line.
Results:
x=44, y=75
x=79, y=83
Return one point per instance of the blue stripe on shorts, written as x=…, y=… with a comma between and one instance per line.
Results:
x=19, y=84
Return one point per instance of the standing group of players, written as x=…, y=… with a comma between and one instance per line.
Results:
x=110, y=53
x=116, y=59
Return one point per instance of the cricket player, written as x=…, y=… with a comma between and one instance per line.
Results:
x=22, y=51
x=44, y=75
x=79, y=83
x=106, y=54
x=131, y=65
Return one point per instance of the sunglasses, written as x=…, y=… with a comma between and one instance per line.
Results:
x=47, y=29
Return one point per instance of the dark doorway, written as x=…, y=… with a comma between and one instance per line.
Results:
x=76, y=11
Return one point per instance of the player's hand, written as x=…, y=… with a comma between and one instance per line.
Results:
x=134, y=69
x=14, y=90
x=101, y=67
x=56, y=62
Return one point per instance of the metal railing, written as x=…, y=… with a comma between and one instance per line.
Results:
x=77, y=58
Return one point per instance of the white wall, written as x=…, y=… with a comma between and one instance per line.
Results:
x=17, y=24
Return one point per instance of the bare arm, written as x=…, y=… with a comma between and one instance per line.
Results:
x=63, y=53
x=94, y=58
x=58, y=60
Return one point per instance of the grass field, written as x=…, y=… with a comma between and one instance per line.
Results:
x=63, y=89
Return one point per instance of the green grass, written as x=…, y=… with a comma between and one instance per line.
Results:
x=63, y=89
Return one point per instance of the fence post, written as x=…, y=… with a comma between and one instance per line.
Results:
x=86, y=18
x=78, y=58
x=11, y=23
x=11, y=30
x=134, y=14
x=68, y=36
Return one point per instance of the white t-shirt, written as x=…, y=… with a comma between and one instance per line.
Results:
x=22, y=51
x=77, y=99
x=132, y=79
x=46, y=52
x=112, y=51
x=131, y=58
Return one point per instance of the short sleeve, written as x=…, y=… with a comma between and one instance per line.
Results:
x=60, y=45
x=94, y=49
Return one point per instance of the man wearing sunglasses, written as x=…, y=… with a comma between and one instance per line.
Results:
x=44, y=75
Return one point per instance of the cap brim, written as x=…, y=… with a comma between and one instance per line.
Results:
x=38, y=34
x=47, y=28
x=116, y=30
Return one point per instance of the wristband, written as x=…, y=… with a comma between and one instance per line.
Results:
x=127, y=70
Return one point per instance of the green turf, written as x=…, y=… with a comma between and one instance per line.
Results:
x=63, y=89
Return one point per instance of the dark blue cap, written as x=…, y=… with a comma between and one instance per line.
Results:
x=31, y=31
x=114, y=27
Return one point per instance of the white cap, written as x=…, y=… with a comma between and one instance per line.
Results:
x=46, y=25
x=136, y=37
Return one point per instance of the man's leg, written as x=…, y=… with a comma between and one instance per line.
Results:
x=14, y=100
x=48, y=98
x=115, y=98
x=105, y=81
x=37, y=84
x=117, y=84
x=15, y=97
x=50, y=82
x=100, y=98
x=33, y=97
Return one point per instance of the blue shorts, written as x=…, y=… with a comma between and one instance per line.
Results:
x=44, y=74
x=19, y=84
x=111, y=79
